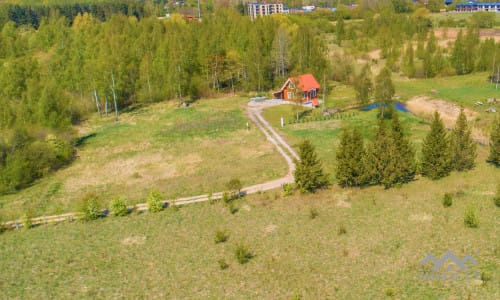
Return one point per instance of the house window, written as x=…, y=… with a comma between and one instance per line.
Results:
x=289, y=95
x=313, y=93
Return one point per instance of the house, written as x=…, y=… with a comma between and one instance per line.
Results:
x=303, y=89
x=478, y=6
x=257, y=9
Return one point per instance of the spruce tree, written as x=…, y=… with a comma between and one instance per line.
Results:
x=403, y=154
x=377, y=157
x=436, y=157
x=384, y=91
x=494, y=156
x=349, y=168
x=462, y=146
x=309, y=174
x=363, y=85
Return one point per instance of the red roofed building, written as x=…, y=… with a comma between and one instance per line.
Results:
x=303, y=88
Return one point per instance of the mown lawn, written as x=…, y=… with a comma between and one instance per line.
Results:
x=177, y=151
x=173, y=254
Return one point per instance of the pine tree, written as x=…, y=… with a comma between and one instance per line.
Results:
x=309, y=174
x=462, y=146
x=384, y=91
x=363, y=85
x=349, y=168
x=436, y=157
x=494, y=156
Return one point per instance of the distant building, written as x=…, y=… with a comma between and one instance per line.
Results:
x=478, y=6
x=257, y=9
x=303, y=89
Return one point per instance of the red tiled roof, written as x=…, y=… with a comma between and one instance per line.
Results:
x=305, y=82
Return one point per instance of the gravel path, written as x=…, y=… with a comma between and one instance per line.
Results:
x=254, y=113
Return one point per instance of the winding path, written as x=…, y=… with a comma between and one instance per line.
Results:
x=254, y=111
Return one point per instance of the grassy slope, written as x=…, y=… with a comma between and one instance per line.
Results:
x=180, y=152
x=173, y=254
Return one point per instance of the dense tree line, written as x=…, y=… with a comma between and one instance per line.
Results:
x=53, y=76
x=390, y=158
x=32, y=13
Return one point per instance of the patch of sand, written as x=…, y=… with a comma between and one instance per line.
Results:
x=134, y=240
x=343, y=201
x=425, y=107
x=270, y=228
x=423, y=217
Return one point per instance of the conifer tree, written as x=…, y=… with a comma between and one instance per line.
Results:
x=363, y=85
x=384, y=91
x=349, y=168
x=436, y=157
x=494, y=156
x=462, y=146
x=409, y=61
x=377, y=158
x=309, y=175
x=403, y=153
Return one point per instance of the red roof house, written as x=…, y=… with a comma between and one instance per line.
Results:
x=303, y=88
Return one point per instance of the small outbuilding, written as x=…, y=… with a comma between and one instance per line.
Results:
x=302, y=89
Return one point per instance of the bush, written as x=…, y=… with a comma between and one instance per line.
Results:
x=90, y=208
x=243, y=255
x=497, y=197
x=118, y=207
x=26, y=220
x=222, y=264
x=447, y=200
x=221, y=236
x=287, y=189
x=313, y=213
x=234, y=186
x=471, y=220
x=232, y=208
x=225, y=197
x=342, y=230
x=155, y=203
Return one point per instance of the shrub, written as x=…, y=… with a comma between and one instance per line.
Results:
x=389, y=292
x=225, y=197
x=118, y=207
x=90, y=208
x=342, y=230
x=222, y=264
x=447, y=200
x=155, y=203
x=287, y=189
x=234, y=186
x=221, y=236
x=497, y=197
x=232, y=208
x=313, y=213
x=26, y=220
x=471, y=220
x=243, y=255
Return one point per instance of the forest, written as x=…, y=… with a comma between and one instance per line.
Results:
x=62, y=62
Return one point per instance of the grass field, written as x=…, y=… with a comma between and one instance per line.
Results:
x=324, y=134
x=173, y=254
x=179, y=152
